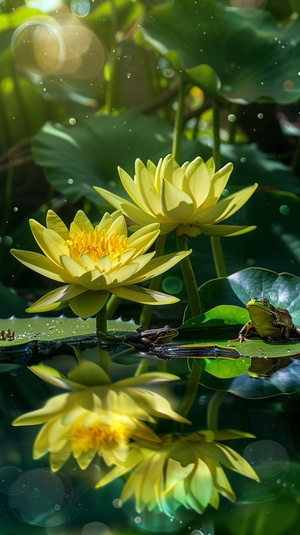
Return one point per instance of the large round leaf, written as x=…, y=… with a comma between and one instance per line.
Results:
x=283, y=289
x=77, y=158
x=241, y=54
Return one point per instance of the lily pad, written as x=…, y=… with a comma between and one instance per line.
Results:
x=50, y=329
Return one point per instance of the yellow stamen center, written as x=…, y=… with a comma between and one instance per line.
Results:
x=97, y=244
x=100, y=436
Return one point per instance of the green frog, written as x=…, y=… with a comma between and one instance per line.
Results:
x=268, y=321
x=151, y=337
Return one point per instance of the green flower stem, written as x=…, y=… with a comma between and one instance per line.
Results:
x=112, y=305
x=213, y=410
x=195, y=306
x=177, y=131
x=101, y=331
x=217, y=250
x=146, y=314
x=189, y=277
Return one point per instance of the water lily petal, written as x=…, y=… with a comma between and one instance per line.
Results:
x=118, y=226
x=83, y=222
x=132, y=189
x=51, y=243
x=225, y=208
x=201, y=478
x=55, y=298
x=53, y=406
x=41, y=264
x=89, y=303
x=73, y=268
x=137, y=215
x=151, y=199
x=158, y=265
x=143, y=238
x=218, y=183
x=224, y=230
x=54, y=222
x=198, y=181
x=142, y=295
x=112, y=198
x=178, y=205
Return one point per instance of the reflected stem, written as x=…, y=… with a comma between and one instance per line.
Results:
x=146, y=314
x=101, y=331
x=213, y=410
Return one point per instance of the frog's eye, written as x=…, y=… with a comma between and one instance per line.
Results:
x=265, y=301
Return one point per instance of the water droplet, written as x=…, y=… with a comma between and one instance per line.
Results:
x=117, y=503
x=72, y=121
x=7, y=241
x=231, y=118
x=172, y=285
x=284, y=209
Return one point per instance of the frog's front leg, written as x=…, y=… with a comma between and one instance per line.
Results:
x=285, y=333
x=295, y=331
x=146, y=342
x=242, y=337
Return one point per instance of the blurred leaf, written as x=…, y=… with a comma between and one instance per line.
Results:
x=107, y=17
x=87, y=154
x=277, y=517
x=10, y=304
x=252, y=56
x=253, y=165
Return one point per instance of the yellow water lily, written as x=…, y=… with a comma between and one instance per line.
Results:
x=185, y=197
x=181, y=470
x=100, y=417
x=96, y=262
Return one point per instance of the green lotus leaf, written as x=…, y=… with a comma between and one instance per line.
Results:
x=251, y=55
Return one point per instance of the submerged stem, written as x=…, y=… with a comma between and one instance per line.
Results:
x=101, y=331
x=213, y=410
x=191, y=390
x=195, y=306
